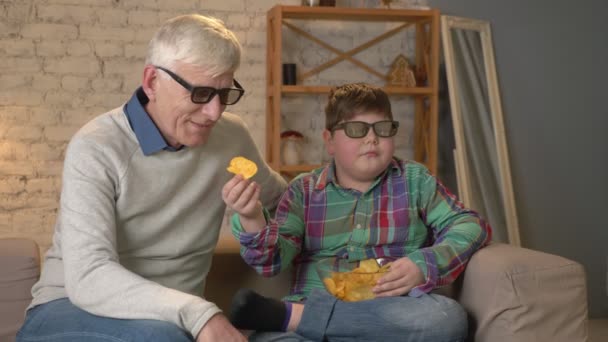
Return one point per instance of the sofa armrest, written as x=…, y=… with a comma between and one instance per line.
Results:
x=517, y=294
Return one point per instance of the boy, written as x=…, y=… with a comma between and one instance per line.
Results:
x=364, y=204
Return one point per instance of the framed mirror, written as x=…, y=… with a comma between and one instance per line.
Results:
x=481, y=154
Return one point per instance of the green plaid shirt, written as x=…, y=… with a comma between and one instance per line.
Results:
x=406, y=212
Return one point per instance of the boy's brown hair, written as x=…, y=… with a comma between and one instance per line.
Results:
x=348, y=100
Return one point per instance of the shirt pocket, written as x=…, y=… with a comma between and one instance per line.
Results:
x=398, y=230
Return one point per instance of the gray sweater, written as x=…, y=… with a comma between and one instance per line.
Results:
x=135, y=234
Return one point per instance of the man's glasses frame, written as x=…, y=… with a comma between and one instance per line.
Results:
x=359, y=129
x=200, y=95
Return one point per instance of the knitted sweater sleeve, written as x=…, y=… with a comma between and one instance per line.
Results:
x=94, y=279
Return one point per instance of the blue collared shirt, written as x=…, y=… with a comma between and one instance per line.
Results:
x=148, y=135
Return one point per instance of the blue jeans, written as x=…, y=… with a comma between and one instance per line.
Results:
x=60, y=320
x=431, y=317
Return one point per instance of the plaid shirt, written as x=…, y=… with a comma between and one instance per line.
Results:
x=405, y=212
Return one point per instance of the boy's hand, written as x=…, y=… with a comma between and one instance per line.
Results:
x=402, y=276
x=243, y=196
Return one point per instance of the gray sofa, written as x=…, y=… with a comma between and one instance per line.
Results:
x=19, y=270
x=512, y=294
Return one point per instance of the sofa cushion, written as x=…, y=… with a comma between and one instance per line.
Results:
x=19, y=270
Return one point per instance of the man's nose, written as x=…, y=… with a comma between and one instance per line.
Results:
x=213, y=109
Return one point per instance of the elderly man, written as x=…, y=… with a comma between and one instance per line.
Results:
x=141, y=203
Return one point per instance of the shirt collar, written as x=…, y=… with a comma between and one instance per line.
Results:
x=148, y=135
x=328, y=174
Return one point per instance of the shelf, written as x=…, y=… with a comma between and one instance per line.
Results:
x=354, y=14
x=298, y=89
x=423, y=22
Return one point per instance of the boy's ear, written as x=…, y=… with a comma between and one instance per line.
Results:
x=149, y=83
x=328, y=139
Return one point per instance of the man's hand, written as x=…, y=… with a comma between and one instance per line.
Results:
x=218, y=328
x=402, y=276
x=243, y=196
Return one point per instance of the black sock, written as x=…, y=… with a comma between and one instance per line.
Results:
x=251, y=311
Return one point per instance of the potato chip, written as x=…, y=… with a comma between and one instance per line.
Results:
x=330, y=285
x=385, y=267
x=357, y=284
x=367, y=266
x=242, y=166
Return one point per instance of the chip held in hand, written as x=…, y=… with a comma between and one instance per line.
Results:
x=242, y=166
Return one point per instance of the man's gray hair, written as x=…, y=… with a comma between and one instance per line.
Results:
x=198, y=40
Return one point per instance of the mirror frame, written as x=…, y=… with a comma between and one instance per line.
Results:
x=460, y=154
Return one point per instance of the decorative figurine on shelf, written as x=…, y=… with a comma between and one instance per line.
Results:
x=290, y=143
x=387, y=3
x=310, y=2
x=401, y=74
x=327, y=3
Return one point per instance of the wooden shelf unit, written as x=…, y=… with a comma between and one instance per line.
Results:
x=426, y=56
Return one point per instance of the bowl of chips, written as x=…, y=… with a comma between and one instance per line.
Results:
x=352, y=281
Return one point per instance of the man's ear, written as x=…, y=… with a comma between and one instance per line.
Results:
x=328, y=139
x=150, y=82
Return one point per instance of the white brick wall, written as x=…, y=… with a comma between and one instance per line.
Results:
x=66, y=61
